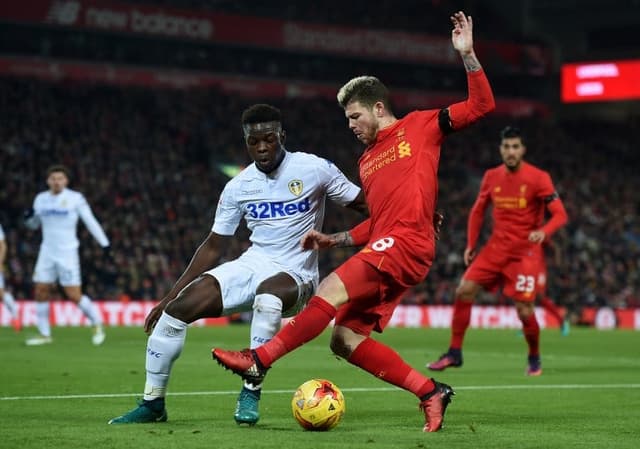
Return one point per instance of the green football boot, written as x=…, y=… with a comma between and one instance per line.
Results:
x=146, y=412
x=247, y=407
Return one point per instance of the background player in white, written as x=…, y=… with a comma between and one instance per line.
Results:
x=7, y=298
x=281, y=195
x=57, y=211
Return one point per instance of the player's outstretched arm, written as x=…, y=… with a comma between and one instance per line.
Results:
x=480, y=101
x=92, y=224
x=358, y=235
x=318, y=240
x=204, y=259
x=462, y=39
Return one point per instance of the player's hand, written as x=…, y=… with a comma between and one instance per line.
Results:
x=462, y=33
x=438, y=219
x=317, y=240
x=154, y=315
x=537, y=236
x=469, y=254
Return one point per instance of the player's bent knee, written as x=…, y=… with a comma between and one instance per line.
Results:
x=200, y=299
x=525, y=309
x=339, y=346
x=467, y=290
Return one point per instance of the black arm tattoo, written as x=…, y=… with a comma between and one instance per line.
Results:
x=471, y=63
x=342, y=239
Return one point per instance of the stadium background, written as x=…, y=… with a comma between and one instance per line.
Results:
x=142, y=100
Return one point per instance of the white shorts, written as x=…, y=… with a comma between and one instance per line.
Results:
x=61, y=266
x=240, y=278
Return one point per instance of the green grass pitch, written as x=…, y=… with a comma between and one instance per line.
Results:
x=62, y=395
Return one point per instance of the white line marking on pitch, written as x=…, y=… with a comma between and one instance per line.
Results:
x=348, y=390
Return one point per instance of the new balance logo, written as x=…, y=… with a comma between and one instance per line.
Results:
x=64, y=13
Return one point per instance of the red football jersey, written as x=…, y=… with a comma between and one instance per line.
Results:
x=399, y=175
x=518, y=200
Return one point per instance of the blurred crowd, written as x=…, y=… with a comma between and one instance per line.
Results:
x=149, y=162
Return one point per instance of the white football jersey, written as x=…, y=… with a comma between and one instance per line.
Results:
x=280, y=207
x=58, y=215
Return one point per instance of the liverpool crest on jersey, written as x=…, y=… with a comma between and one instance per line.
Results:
x=296, y=187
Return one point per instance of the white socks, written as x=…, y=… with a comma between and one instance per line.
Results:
x=10, y=303
x=163, y=348
x=90, y=310
x=42, y=318
x=267, y=317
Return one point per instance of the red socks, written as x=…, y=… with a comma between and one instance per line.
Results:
x=460, y=322
x=386, y=364
x=531, y=331
x=551, y=307
x=305, y=326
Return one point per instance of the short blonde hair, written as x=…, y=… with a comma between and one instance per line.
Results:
x=367, y=90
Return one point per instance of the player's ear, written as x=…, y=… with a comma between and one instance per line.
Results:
x=283, y=136
x=379, y=109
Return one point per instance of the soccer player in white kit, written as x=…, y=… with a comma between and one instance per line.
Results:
x=281, y=195
x=57, y=211
x=7, y=298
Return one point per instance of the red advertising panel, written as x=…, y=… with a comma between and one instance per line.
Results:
x=601, y=81
x=133, y=313
x=223, y=28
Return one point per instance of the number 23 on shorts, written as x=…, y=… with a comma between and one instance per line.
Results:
x=525, y=283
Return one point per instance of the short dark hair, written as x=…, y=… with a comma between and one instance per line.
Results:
x=367, y=90
x=511, y=132
x=58, y=168
x=261, y=113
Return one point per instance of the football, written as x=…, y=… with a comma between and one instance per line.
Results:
x=318, y=404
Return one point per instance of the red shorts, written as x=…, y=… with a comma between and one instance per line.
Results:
x=373, y=296
x=518, y=275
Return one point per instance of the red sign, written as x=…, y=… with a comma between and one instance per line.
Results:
x=270, y=33
x=601, y=81
x=133, y=313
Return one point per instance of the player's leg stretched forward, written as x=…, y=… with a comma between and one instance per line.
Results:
x=353, y=345
x=202, y=298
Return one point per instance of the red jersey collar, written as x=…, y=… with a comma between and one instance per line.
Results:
x=384, y=133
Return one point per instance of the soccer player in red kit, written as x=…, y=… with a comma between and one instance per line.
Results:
x=519, y=193
x=398, y=171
